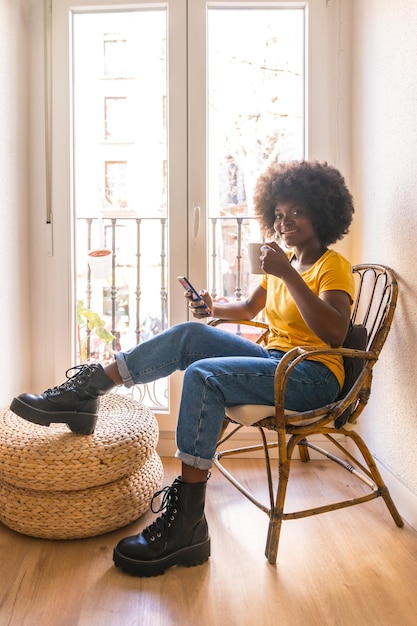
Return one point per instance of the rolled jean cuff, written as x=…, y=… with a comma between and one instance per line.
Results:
x=123, y=370
x=194, y=461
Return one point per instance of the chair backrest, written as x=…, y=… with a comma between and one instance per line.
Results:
x=373, y=310
x=375, y=302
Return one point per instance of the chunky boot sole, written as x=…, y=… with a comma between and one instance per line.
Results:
x=80, y=423
x=190, y=556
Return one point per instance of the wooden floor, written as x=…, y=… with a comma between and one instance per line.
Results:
x=345, y=568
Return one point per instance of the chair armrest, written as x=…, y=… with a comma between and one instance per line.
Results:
x=264, y=328
x=332, y=410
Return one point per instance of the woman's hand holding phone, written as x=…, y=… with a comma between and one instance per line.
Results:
x=200, y=304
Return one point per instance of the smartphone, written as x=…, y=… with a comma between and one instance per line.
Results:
x=194, y=293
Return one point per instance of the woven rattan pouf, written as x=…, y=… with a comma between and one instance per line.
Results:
x=58, y=485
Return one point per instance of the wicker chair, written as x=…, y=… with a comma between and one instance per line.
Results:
x=373, y=309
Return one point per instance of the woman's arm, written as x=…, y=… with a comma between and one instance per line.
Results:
x=327, y=314
x=241, y=310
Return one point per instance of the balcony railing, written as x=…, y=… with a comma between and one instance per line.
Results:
x=133, y=299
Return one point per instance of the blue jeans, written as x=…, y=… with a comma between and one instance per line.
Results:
x=221, y=369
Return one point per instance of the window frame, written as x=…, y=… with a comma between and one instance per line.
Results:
x=327, y=139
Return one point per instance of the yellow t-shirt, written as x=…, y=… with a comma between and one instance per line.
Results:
x=287, y=327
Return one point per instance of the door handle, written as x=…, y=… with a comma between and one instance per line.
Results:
x=197, y=211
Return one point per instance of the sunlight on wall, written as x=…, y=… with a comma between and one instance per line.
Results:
x=385, y=188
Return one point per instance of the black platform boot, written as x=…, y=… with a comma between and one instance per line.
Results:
x=178, y=537
x=75, y=402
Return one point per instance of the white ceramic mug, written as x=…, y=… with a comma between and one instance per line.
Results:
x=254, y=252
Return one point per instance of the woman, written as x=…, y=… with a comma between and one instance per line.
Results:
x=307, y=292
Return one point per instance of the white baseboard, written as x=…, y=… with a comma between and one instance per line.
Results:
x=166, y=444
x=405, y=500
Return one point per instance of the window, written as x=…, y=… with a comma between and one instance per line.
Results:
x=115, y=184
x=116, y=119
x=196, y=140
x=115, y=56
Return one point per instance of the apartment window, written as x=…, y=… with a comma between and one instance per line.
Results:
x=115, y=183
x=116, y=55
x=116, y=120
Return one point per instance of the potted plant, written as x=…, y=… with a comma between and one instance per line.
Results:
x=92, y=323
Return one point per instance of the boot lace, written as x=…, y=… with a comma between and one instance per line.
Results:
x=82, y=373
x=168, y=506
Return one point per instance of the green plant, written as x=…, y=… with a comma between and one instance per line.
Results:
x=92, y=323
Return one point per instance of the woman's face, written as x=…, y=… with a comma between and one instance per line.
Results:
x=293, y=224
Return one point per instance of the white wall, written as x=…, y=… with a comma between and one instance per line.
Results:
x=384, y=173
x=14, y=232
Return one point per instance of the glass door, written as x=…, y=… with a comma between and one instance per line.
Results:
x=256, y=86
x=172, y=111
x=120, y=94
x=128, y=69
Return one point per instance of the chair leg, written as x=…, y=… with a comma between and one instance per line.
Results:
x=391, y=507
x=277, y=512
x=271, y=549
x=303, y=450
x=383, y=489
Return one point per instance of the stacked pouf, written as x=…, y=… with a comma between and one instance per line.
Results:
x=58, y=485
